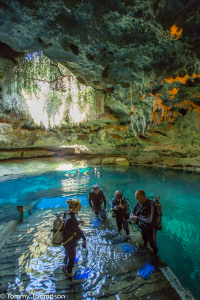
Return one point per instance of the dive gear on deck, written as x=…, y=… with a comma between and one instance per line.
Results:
x=83, y=273
x=129, y=248
x=146, y=270
x=95, y=223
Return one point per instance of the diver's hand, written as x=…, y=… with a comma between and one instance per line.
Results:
x=104, y=207
x=84, y=244
x=93, y=209
x=133, y=218
x=82, y=221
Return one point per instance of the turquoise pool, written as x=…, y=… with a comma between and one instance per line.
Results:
x=179, y=193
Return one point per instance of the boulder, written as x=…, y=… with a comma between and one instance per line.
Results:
x=108, y=160
x=122, y=161
x=95, y=161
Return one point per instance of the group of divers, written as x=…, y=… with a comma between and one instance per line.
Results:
x=68, y=231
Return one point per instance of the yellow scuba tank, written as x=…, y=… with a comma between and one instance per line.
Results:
x=57, y=234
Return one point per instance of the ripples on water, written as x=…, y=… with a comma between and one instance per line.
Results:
x=179, y=193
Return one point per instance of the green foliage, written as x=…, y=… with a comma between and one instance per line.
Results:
x=30, y=71
x=91, y=95
x=13, y=99
x=51, y=83
x=86, y=97
x=141, y=118
x=69, y=99
x=53, y=102
x=78, y=85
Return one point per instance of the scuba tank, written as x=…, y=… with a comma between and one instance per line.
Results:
x=158, y=213
x=57, y=234
x=57, y=239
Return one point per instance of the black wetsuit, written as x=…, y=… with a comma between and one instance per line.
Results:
x=145, y=216
x=122, y=214
x=96, y=200
x=70, y=226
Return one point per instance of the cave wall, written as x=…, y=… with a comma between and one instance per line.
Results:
x=154, y=45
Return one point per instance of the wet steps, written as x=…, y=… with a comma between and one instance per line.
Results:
x=30, y=264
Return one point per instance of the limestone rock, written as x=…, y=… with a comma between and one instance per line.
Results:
x=25, y=154
x=142, y=59
x=122, y=161
x=95, y=161
x=108, y=160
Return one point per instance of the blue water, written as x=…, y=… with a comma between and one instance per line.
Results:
x=179, y=192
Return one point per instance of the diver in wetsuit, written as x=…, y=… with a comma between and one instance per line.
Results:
x=71, y=234
x=143, y=213
x=96, y=198
x=86, y=172
x=120, y=211
x=69, y=174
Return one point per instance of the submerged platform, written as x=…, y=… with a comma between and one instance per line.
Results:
x=30, y=265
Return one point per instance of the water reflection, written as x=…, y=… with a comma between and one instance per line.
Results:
x=42, y=263
x=179, y=194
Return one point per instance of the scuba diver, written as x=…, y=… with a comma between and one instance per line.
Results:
x=69, y=174
x=86, y=172
x=120, y=210
x=71, y=234
x=98, y=174
x=77, y=171
x=96, y=198
x=143, y=213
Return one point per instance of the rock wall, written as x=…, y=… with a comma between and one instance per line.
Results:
x=141, y=57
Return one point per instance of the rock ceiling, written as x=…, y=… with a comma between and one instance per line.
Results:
x=147, y=49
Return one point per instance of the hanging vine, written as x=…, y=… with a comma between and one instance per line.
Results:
x=141, y=119
x=39, y=83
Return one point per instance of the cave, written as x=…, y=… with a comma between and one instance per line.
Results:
x=107, y=84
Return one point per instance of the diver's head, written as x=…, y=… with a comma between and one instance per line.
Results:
x=69, y=172
x=77, y=171
x=96, y=188
x=118, y=195
x=87, y=172
x=140, y=196
x=74, y=205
